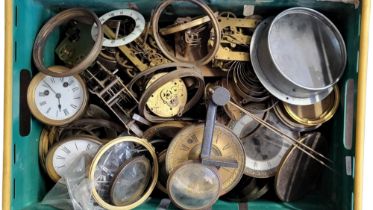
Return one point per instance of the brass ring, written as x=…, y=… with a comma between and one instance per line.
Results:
x=161, y=44
x=325, y=116
x=103, y=150
x=48, y=28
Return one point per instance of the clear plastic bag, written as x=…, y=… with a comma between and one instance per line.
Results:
x=108, y=166
x=73, y=191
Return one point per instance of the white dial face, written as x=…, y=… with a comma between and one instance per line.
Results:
x=67, y=152
x=59, y=98
x=139, y=28
x=265, y=149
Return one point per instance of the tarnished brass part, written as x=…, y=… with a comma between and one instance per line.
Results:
x=151, y=51
x=227, y=54
x=169, y=99
x=233, y=36
x=237, y=22
x=76, y=44
x=187, y=146
x=317, y=113
x=125, y=50
x=181, y=27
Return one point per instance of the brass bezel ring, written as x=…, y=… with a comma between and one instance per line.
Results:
x=324, y=117
x=48, y=28
x=103, y=150
x=35, y=111
x=158, y=39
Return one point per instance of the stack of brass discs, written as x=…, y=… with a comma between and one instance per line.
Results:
x=192, y=108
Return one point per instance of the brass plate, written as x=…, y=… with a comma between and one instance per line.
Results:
x=168, y=100
x=181, y=27
x=187, y=146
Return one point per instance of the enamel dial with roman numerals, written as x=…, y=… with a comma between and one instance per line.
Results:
x=63, y=154
x=120, y=41
x=186, y=145
x=57, y=100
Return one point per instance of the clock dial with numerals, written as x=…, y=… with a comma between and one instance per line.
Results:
x=120, y=41
x=63, y=154
x=265, y=149
x=57, y=100
x=186, y=145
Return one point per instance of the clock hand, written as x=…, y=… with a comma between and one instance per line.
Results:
x=58, y=96
x=46, y=83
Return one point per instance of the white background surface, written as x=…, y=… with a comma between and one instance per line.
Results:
x=368, y=153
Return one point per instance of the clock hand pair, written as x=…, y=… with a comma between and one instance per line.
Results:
x=46, y=83
x=58, y=95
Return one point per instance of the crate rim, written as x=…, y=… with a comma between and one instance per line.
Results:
x=360, y=110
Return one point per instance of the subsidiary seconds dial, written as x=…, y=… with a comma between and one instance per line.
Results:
x=57, y=100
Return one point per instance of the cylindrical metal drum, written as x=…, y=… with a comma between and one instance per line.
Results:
x=298, y=55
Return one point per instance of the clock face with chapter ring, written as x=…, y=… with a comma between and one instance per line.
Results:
x=57, y=100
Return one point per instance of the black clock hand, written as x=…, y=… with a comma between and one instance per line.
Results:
x=58, y=96
x=46, y=83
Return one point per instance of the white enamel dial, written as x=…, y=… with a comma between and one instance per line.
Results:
x=65, y=154
x=59, y=98
x=139, y=28
x=265, y=149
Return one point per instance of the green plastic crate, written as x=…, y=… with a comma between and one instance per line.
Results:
x=24, y=180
